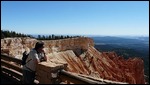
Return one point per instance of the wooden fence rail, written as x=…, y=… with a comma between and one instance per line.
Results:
x=74, y=79
x=11, y=58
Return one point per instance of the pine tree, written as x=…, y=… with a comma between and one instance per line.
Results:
x=49, y=37
x=39, y=37
x=53, y=36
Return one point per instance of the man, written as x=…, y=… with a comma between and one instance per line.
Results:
x=36, y=55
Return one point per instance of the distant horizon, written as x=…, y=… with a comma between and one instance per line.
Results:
x=91, y=35
x=95, y=35
x=102, y=18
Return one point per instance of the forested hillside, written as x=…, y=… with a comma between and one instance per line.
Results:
x=7, y=33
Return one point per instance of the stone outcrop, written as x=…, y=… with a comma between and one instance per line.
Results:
x=48, y=72
x=82, y=58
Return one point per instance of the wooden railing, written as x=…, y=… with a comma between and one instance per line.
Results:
x=70, y=78
x=11, y=67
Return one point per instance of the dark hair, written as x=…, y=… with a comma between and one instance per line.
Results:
x=39, y=45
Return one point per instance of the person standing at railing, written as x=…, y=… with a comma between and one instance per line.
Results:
x=36, y=55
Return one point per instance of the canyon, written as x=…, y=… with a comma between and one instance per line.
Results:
x=81, y=57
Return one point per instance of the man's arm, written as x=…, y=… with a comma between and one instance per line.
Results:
x=45, y=57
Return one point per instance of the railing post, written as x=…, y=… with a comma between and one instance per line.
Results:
x=48, y=72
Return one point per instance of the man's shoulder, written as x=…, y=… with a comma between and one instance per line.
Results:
x=33, y=51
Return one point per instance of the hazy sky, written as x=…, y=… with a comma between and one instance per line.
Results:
x=76, y=17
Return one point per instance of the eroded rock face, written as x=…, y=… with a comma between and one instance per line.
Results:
x=82, y=58
x=16, y=46
x=102, y=65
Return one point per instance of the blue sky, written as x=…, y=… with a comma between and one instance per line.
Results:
x=76, y=17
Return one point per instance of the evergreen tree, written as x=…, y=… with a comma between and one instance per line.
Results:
x=43, y=37
x=67, y=36
x=39, y=37
x=53, y=36
x=61, y=37
x=49, y=37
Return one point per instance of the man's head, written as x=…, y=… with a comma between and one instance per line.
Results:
x=39, y=45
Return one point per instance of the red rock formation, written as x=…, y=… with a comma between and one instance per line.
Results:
x=132, y=69
x=82, y=58
x=103, y=65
